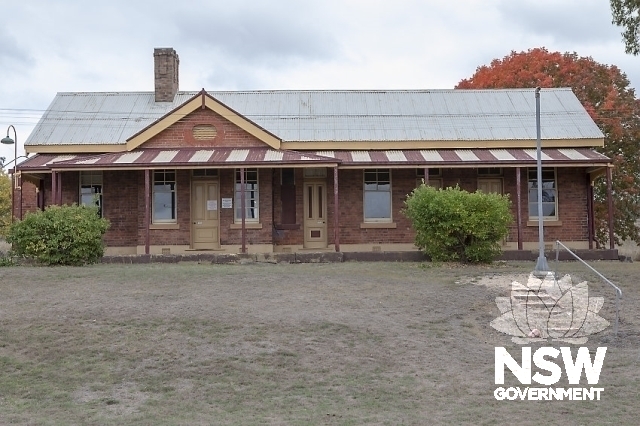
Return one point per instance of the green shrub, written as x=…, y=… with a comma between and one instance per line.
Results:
x=452, y=224
x=60, y=235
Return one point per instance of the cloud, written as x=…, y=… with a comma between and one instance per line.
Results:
x=567, y=22
x=273, y=34
x=12, y=56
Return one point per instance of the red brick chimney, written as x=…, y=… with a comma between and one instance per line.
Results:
x=166, y=63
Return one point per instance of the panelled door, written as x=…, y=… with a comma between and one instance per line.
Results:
x=205, y=224
x=315, y=215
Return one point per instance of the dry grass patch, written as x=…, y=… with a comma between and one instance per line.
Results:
x=352, y=343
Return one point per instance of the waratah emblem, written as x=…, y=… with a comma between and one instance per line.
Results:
x=549, y=309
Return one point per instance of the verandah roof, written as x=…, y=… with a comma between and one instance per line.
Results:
x=178, y=158
x=467, y=157
x=265, y=157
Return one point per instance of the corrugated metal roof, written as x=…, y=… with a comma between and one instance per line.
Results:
x=313, y=116
x=233, y=157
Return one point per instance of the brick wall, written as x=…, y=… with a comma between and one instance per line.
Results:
x=166, y=76
x=180, y=134
x=120, y=206
x=28, y=197
x=123, y=203
x=352, y=213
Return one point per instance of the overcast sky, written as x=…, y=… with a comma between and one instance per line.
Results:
x=72, y=45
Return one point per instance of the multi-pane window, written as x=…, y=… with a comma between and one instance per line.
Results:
x=435, y=177
x=204, y=173
x=490, y=171
x=251, y=199
x=377, y=195
x=91, y=190
x=549, y=194
x=164, y=196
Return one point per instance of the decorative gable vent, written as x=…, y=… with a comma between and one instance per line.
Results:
x=204, y=132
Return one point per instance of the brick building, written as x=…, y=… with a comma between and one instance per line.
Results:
x=321, y=170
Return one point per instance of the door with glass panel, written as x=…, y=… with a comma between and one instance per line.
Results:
x=315, y=215
x=204, y=215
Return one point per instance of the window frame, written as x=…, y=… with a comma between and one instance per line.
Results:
x=365, y=191
x=489, y=172
x=93, y=183
x=237, y=196
x=530, y=170
x=435, y=177
x=205, y=173
x=173, y=191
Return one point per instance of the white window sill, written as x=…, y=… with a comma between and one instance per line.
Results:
x=554, y=222
x=247, y=225
x=164, y=226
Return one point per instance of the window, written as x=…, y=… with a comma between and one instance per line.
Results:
x=315, y=172
x=91, y=190
x=377, y=195
x=435, y=177
x=432, y=172
x=250, y=196
x=164, y=196
x=549, y=194
x=490, y=171
x=204, y=173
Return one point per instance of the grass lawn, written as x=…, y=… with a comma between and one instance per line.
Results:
x=350, y=343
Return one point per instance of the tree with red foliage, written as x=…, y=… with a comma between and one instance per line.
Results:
x=605, y=93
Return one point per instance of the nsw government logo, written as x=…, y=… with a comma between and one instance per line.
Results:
x=550, y=311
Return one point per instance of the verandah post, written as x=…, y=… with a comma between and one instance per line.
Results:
x=59, y=189
x=147, y=209
x=336, y=211
x=610, y=209
x=590, y=227
x=242, y=211
x=54, y=189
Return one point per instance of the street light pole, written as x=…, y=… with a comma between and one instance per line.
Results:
x=8, y=141
x=542, y=269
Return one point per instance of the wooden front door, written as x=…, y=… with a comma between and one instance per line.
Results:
x=490, y=185
x=315, y=215
x=205, y=225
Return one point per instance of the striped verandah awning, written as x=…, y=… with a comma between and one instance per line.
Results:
x=190, y=158
x=568, y=157
x=185, y=158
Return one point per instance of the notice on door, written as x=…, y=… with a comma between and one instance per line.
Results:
x=212, y=205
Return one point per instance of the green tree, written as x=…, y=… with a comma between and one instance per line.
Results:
x=626, y=14
x=5, y=202
x=605, y=93
x=453, y=224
